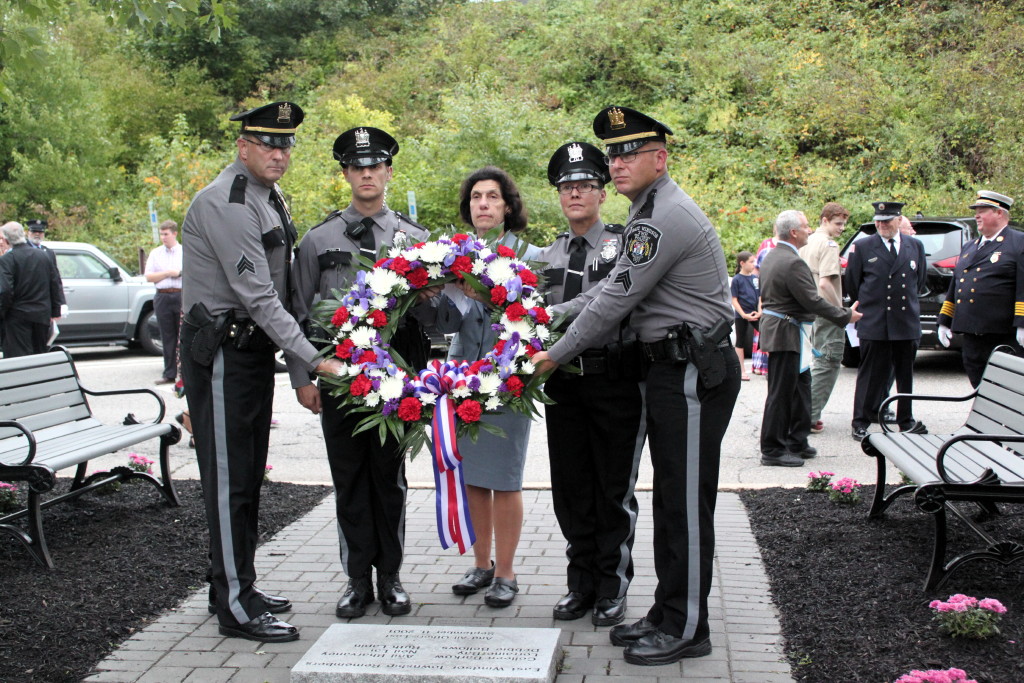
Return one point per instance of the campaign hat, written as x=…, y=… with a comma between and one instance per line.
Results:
x=623, y=129
x=577, y=161
x=273, y=124
x=364, y=146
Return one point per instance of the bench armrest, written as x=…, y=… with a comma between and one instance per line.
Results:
x=122, y=392
x=919, y=397
x=986, y=476
x=28, y=435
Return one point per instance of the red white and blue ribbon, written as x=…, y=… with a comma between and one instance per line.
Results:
x=454, y=527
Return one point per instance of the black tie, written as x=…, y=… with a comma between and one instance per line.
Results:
x=286, y=221
x=363, y=231
x=577, y=262
x=892, y=246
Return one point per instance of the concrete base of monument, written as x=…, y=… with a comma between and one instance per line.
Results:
x=384, y=653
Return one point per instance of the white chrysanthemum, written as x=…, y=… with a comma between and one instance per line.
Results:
x=386, y=282
x=493, y=403
x=428, y=399
x=391, y=388
x=527, y=368
x=532, y=301
x=394, y=252
x=461, y=392
x=478, y=267
x=524, y=327
x=433, y=252
x=542, y=333
x=372, y=399
x=379, y=302
x=363, y=336
x=500, y=270
x=358, y=311
x=346, y=326
x=354, y=370
x=433, y=272
x=489, y=383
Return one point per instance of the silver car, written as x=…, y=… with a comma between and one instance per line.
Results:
x=106, y=305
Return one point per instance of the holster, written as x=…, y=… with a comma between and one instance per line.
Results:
x=246, y=335
x=704, y=350
x=624, y=360
x=210, y=334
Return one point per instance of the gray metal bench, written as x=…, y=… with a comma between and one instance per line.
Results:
x=46, y=426
x=981, y=463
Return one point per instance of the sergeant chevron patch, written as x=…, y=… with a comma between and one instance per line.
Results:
x=244, y=264
x=625, y=280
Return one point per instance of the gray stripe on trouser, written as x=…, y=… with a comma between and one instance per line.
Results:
x=638, y=448
x=220, y=445
x=692, y=502
x=402, y=484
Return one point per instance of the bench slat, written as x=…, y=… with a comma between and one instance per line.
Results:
x=46, y=373
x=39, y=390
x=42, y=406
x=52, y=419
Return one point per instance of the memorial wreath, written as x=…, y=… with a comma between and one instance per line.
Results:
x=449, y=398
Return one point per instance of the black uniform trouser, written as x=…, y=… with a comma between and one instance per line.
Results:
x=230, y=404
x=977, y=348
x=685, y=425
x=879, y=360
x=596, y=433
x=786, y=422
x=369, y=491
x=167, y=307
x=24, y=337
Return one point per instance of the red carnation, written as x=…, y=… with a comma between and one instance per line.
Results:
x=340, y=316
x=530, y=351
x=499, y=347
x=378, y=319
x=541, y=315
x=360, y=386
x=418, y=278
x=469, y=410
x=400, y=265
x=498, y=295
x=507, y=252
x=515, y=312
x=380, y=263
x=410, y=409
x=344, y=349
x=462, y=264
x=514, y=385
x=459, y=237
x=475, y=366
x=367, y=356
x=528, y=278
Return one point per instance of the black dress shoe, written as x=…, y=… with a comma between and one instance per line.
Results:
x=275, y=604
x=660, y=648
x=807, y=453
x=915, y=427
x=266, y=628
x=859, y=433
x=473, y=580
x=573, y=605
x=609, y=611
x=625, y=634
x=784, y=460
x=501, y=593
x=358, y=594
x=394, y=601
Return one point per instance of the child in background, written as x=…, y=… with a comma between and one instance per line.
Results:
x=746, y=299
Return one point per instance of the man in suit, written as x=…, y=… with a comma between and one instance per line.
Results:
x=985, y=301
x=885, y=274
x=790, y=301
x=30, y=295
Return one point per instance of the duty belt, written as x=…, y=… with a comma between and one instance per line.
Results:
x=671, y=349
x=589, y=363
x=169, y=290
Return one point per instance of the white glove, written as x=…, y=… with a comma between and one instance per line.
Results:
x=1020, y=336
x=945, y=334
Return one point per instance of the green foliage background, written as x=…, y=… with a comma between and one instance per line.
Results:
x=775, y=104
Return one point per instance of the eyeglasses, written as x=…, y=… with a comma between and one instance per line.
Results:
x=264, y=147
x=582, y=188
x=628, y=157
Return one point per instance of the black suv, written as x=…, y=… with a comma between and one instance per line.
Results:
x=943, y=238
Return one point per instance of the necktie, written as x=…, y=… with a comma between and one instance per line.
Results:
x=363, y=231
x=286, y=221
x=577, y=262
x=892, y=246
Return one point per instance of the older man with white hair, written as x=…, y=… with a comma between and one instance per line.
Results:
x=30, y=295
x=985, y=301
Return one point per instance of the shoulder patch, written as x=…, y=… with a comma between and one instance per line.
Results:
x=237, y=195
x=642, y=243
x=615, y=227
x=244, y=264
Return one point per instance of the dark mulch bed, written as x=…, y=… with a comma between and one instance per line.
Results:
x=122, y=559
x=850, y=590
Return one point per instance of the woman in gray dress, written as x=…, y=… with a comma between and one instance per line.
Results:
x=493, y=466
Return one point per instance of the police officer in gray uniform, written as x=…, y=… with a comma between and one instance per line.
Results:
x=369, y=477
x=671, y=280
x=595, y=427
x=236, y=270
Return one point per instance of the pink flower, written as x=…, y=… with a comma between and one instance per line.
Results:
x=992, y=605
